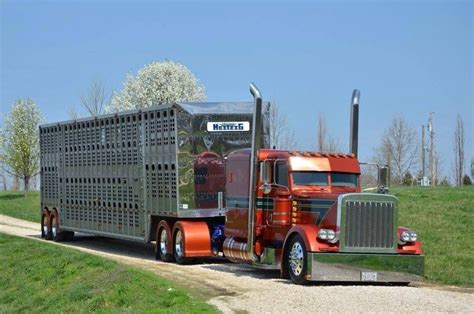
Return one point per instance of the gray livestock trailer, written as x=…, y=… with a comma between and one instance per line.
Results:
x=115, y=175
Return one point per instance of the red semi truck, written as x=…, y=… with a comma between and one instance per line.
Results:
x=201, y=181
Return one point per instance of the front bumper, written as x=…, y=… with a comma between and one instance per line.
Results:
x=365, y=267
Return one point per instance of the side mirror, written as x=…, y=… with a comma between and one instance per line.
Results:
x=265, y=174
x=383, y=179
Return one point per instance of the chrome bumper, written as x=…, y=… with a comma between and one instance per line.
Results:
x=365, y=267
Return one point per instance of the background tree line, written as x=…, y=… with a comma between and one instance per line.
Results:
x=167, y=82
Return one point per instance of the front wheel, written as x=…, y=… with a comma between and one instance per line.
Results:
x=297, y=259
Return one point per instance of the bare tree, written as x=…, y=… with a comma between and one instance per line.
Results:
x=94, y=99
x=458, y=143
x=326, y=142
x=72, y=113
x=398, y=148
x=281, y=136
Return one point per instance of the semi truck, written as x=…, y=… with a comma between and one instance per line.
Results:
x=200, y=180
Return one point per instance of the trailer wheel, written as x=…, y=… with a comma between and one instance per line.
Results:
x=296, y=258
x=178, y=248
x=45, y=230
x=56, y=235
x=162, y=245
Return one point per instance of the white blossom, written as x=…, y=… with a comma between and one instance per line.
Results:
x=155, y=84
x=20, y=140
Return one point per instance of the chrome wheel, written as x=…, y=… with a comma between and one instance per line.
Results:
x=54, y=229
x=44, y=227
x=163, y=242
x=178, y=244
x=296, y=259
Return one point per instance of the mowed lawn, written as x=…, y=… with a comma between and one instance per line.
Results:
x=16, y=204
x=443, y=217
x=43, y=278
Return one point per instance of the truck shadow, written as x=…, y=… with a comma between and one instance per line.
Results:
x=145, y=251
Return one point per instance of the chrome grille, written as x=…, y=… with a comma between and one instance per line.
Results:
x=369, y=225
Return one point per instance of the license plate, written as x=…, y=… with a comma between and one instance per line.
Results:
x=368, y=276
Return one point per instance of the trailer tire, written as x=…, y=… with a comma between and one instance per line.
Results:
x=178, y=248
x=296, y=258
x=56, y=235
x=162, y=246
x=45, y=227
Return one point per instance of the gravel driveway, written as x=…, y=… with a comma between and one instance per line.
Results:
x=234, y=287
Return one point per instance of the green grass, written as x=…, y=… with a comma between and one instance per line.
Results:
x=443, y=217
x=42, y=277
x=15, y=204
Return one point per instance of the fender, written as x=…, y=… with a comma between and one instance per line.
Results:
x=166, y=225
x=409, y=248
x=45, y=211
x=309, y=234
x=196, y=237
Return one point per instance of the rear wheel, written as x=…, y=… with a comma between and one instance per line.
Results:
x=178, y=248
x=297, y=258
x=56, y=235
x=45, y=230
x=162, y=245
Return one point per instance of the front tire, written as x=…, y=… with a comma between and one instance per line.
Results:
x=297, y=260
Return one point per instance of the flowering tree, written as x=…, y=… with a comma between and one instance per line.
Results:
x=157, y=83
x=20, y=141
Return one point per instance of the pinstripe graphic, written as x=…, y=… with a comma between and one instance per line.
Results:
x=321, y=207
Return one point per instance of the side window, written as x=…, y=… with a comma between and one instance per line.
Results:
x=281, y=173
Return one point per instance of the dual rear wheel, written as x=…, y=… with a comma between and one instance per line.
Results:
x=50, y=229
x=176, y=242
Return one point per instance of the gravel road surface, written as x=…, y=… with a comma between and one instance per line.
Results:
x=235, y=288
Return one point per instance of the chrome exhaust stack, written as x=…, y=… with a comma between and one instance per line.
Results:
x=256, y=145
x=354, y=130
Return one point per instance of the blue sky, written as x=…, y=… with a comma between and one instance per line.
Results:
x=408, y=57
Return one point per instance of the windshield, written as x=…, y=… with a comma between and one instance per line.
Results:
x=322, y=178
x=344, y=179
x=310, y=178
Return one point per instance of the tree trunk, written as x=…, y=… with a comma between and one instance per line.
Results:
x=26, y=184
x=16, y=183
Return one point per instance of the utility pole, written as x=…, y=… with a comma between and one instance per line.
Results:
x=432, y=152
x=424, y=179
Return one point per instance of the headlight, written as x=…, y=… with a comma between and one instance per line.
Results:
x=408, y=236
x=326, y=234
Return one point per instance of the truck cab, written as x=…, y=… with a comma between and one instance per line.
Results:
x=313, y=222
